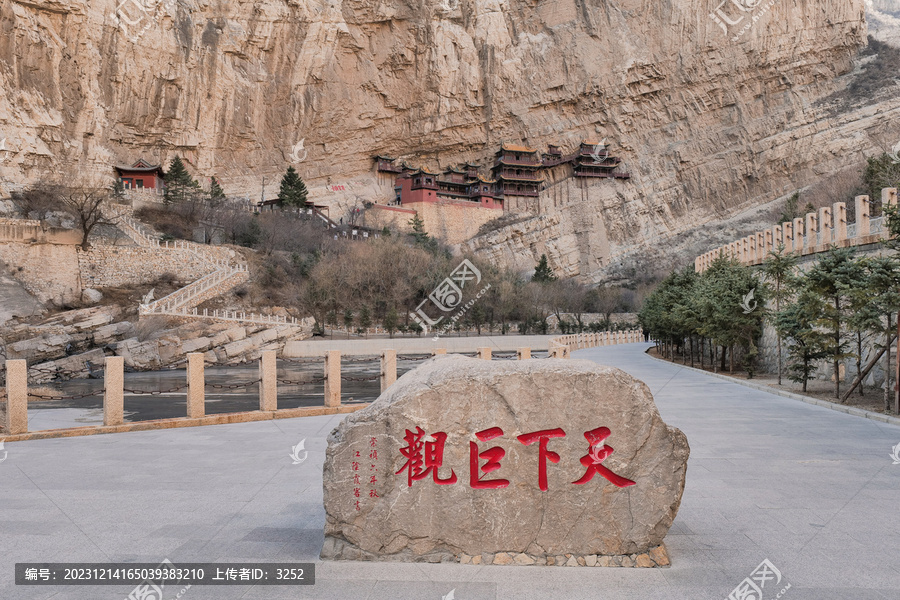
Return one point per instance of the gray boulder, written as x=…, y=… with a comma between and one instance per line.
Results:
x=450, y=461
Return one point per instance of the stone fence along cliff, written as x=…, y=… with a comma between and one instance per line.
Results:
x=817, y=232
x=30, y=232
x=14, y=398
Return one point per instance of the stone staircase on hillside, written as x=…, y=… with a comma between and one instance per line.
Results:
x=183, y=301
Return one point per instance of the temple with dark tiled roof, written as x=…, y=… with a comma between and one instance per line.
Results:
x=517, y=171
x=140, y=175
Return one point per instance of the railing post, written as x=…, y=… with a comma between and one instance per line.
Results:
x=268, y=381
x=114, y=392
x=196, y=392
x=840, y=221
x=388, y=369
x=16, y=397
x=787, y=236
x=523, y=353
x=484, y=353
x=812, y=230
x=825, y=225
x=862, y=216
x=333, y=378
x=798, y=235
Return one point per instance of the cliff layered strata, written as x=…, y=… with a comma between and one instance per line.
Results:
x=706, y=120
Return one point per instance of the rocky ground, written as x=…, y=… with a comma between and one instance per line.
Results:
x=74, y=344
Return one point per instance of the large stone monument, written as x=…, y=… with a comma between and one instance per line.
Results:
x=525, y=462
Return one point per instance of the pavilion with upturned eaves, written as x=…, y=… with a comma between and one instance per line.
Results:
x=518, y=170
x=141, y=175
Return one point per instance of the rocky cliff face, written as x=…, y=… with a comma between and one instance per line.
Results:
x=707, y=116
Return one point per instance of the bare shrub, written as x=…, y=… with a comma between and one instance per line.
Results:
x=147, y=326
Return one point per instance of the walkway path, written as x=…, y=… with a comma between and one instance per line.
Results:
x=812, y=490
x=409, y=345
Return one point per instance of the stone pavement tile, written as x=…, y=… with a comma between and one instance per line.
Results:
x=405, y=590
x=823, y=593
x=809, y=488
x=324, y=589
x=697, y=568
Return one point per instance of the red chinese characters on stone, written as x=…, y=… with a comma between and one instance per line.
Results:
x=544, y=436
x=491, y=455
x=424, y=457
x=598, y=451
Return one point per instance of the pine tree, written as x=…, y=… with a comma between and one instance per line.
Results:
x=391, y=319
x=796, y=324
x=180, y=186
x=365, y=320
x=216, y=193
x=779, y=270
x=418, y=229
x=543, y=273
x=293, y=191
x=832, y=279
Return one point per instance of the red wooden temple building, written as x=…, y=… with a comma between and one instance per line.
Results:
x=463, y=185
x=593, y=160
x=517, y=171
x=141, y=175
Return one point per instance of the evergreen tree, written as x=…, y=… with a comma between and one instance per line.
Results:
x=348, y=320
x=365, y=320
x=216, y=193
x=882, y=289
x=292, y=191
x=796, y=324
x=543, y=273
x=421, y=237
x=391, y=319
x=180, y=186
x=779, y=269
x=833, y=278
x=724, y=292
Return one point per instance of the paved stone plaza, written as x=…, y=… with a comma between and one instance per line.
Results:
x=812, y=490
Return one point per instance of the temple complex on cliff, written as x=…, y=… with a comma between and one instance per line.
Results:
x=517, y=171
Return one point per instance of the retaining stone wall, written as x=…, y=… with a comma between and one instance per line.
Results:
x=113, y=266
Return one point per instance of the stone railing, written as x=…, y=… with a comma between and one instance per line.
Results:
x=15, y=425
x=817, y=232
x=562, y=346
x=179, y=303
x=196, y=292
x=232, y=316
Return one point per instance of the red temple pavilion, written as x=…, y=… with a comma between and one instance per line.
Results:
x=517, y=168
x=141, y=175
